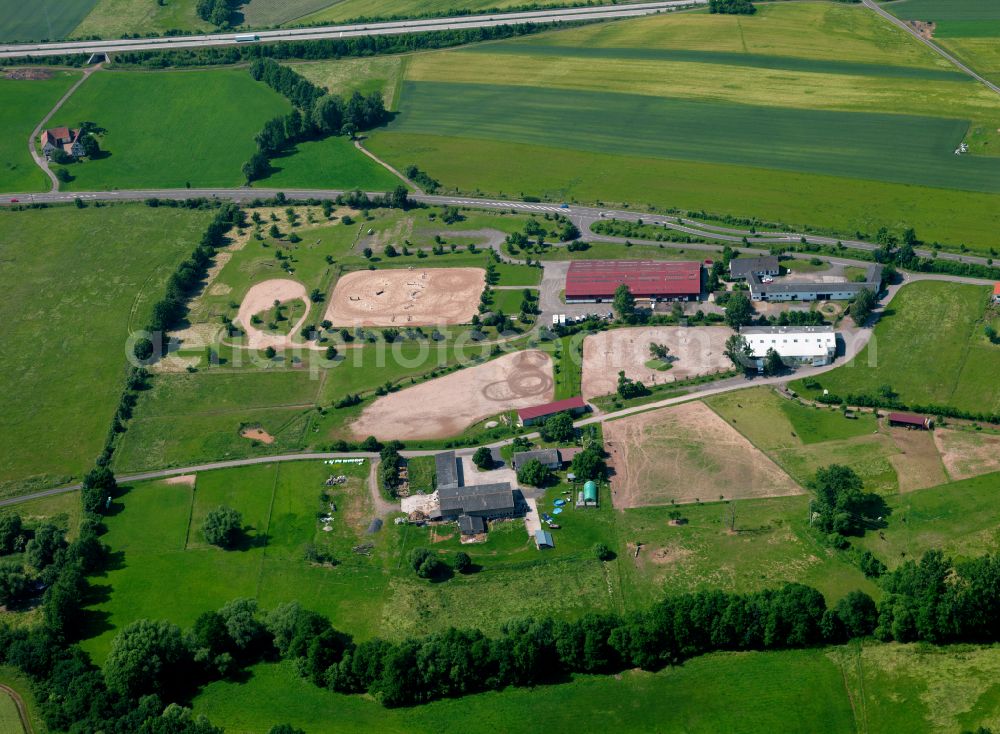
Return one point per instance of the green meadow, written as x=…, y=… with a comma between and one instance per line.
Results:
x=170, y=129
x=344, y=10
x=333, y=163
x=929, y=348
x=75, y=282
x=114, y=18
x=50, y=20
x=823, y=99
x=23, y=103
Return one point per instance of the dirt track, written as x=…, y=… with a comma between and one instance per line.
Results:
x=406, y=297
x=448, y=405
x=261, y=297
x=687, y=454
x=698, y=351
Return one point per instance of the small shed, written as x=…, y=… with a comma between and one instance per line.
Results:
x=590, y=492
x=911, y=420
x=543, y=539
x=996, y=293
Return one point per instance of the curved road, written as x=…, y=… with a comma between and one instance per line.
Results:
x=22, y=710
x=390, y=28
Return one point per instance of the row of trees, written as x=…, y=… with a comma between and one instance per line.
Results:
x=731, y=7
x=329, y=48
x=316, y=114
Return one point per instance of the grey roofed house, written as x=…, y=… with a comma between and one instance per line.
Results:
x=742, y=267
x=471, y=524
x=446, y=469
x=485, y=500
x=547, y=457
x=790, y=290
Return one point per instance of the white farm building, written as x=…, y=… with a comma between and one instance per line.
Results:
x=809, y=345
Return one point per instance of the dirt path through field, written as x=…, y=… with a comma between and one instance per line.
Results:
x=22, y=710
x=918, y=465
x=448, y=405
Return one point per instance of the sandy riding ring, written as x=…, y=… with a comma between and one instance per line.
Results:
x=260, y=298
x=448, y=405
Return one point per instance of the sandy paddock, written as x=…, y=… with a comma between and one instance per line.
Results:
x=406, y=297
x=685, y=454
x=918, y=464
x=448, y=405
x=260, y=298
x=697, y=351
x=968, y=453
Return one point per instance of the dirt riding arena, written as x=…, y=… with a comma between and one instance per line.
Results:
x=406, y=297
x=696, y=351
x=260, y=298
x=966, y=453
x=448, y=405
x=687, y=454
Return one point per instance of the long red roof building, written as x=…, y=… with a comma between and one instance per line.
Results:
x=593, y=280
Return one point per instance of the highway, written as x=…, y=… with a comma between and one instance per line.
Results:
x=929, y=43
x=583, y=216
x=389, y=28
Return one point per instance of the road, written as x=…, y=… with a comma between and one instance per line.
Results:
x=391, y=28
x=583, y=216
x=929, y=43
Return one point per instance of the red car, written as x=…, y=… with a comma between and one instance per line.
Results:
x=13, y=201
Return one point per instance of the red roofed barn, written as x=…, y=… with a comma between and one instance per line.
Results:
x=996, y=293
x=656, y=280
x=531, y=415
x=67, y=139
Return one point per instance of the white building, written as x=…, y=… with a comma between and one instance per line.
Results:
x=809, y=345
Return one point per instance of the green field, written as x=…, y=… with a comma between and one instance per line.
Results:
x=75, y=283
x=351, y=9
x=333, y=163
x=23, y=103
x=113, y=18
x=929, y=347
x=365, y=75
x=936, y=10
x=212, y=116
x=787, y=114
x=41, y=20
x=802, y=439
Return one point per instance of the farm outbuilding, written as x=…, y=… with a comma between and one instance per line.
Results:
x=549, y=458
x=785, y=289
x=590, y=492
x=446, y=470
x=543, y=539
x=530, y=416
x=812, y=345
x=911, y=420
x=595, y=281
x=741, y=268
x=996, y=293
x=484, y=500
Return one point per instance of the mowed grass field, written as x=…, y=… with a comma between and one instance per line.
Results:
x=350, y=9
x=325, y=164
x=930, y=348
x=113, y=18
x=75, y=282
x=171, y=128
x=616, y=112
x=968, y=28
x=23, y=103
x=41, y=19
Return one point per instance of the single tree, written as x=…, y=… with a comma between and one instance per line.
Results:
x=483, y=458
x=223, y=527
x=623, y=302
x=772, y=363
x=862, y=306
x=602, y=552
x=589, y=463
x=739, y=352
x=462, y=562
x=558, y=428
x=534, y=473
x=739, y=310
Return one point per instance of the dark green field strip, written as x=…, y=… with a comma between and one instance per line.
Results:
x=897, y=148
x=41, y=19
x=968, y=29
x=730, y=58
x=938, y=10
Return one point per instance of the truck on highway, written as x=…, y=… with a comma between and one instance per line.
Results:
x=247, y=38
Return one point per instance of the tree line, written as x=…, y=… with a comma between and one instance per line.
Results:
x=329, y=48
x=933, y=600
x=316, y=114
x=217, y=12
